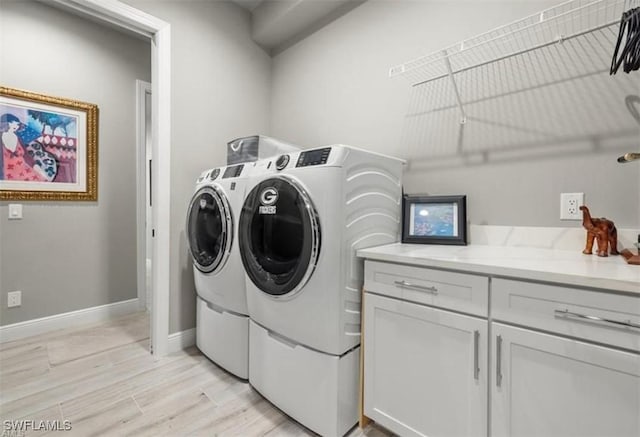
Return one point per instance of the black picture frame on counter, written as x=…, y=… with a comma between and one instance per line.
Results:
x=434, y=219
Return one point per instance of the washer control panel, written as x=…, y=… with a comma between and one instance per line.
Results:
x=214, y=174
x=313, y=157
x=282, y=161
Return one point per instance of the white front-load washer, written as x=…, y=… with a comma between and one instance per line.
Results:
x=304, y=217
x=222, y=322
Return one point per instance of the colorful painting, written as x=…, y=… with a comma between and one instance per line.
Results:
x=49, y=147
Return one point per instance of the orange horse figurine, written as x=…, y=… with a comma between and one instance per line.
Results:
x=602, y=229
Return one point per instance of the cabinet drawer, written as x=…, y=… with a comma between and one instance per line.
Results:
x=592, y=315
x=455, y=291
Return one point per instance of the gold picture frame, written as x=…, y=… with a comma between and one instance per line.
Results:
x=49, y=147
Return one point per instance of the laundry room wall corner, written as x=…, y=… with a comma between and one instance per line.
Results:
x=220, y=82
x=334, y=87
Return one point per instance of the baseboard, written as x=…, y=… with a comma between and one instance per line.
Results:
x=182, y=340
x=84, y=316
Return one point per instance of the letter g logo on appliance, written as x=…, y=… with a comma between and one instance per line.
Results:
x=269, y=196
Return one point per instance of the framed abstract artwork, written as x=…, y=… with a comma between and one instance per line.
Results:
x=434, y=219
x=49, y=147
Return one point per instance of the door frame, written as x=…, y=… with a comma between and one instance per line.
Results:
x=125, y=17
x=142, y=199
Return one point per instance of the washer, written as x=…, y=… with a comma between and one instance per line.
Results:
x=305, y=216
x=222, y=322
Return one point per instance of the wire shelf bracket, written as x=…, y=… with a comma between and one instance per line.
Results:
x=463, y=118
x=539, y=86
x=551, y=26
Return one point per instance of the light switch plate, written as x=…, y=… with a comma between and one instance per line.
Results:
x=15, y=211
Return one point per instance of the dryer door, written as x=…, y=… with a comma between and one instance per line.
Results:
x=279, y=236
x=209, y=229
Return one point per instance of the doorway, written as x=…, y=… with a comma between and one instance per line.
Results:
x=158, y=32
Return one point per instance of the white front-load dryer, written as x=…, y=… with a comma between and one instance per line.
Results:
x=222, y=322
x=304, y=217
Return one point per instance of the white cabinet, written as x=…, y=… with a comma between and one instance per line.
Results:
x=548, y=385
x=426, y=370
x=564, y=360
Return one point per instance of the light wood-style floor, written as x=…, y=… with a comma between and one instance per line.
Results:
x=104, y=381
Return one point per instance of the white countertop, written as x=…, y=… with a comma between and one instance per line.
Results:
x=538, y=264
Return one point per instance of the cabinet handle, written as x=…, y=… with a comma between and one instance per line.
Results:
x=566, y=314
x=405, y=284
x=499, y=360
x=476, y=343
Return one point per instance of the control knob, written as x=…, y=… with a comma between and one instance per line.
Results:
x=214, y=174
x=282, y=162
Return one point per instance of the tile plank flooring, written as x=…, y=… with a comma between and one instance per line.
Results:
x=103, y=380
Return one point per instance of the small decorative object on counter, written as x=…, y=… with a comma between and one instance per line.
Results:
x=630, y=257
x=601, y=229
x=434, y=219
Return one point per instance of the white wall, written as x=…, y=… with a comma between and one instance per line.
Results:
x=65, y=256
x=220, y=91
x=333, y=87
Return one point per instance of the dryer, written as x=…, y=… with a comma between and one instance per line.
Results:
x=305, y=216
x=222, y=322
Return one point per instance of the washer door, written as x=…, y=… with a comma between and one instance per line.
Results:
x=209, y=229
x=279, y=236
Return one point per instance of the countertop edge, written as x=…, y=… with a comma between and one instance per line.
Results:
x=605, y=284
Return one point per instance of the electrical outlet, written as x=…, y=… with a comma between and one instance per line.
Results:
x=570, y=204
x=14, y=299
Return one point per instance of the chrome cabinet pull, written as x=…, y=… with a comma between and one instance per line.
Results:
x=566, y=314
x=405, y=284
x=476, y=343
x=499, y=360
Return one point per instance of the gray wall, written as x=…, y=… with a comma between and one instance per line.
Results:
x=65, y=256
x=329, y=88
x=333, y=87
x=220, y=90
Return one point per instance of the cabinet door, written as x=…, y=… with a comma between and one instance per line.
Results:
x=545, y=385
x=425, y=370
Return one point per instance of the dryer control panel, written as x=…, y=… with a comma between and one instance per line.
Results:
x=233, y=171
x=313, y=157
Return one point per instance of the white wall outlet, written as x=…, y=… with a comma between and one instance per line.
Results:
x=570, y=204
x=14, y=299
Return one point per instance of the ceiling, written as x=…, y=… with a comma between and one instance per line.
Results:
x=278, y=24
x=249, y=5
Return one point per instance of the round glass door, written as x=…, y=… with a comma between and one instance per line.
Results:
x=209, y=229
x=279, y=236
